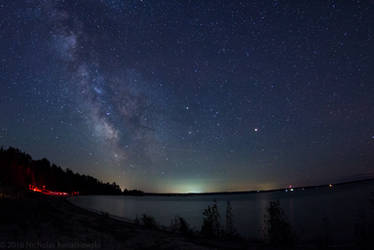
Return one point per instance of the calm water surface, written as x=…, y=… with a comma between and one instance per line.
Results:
x=313, y=213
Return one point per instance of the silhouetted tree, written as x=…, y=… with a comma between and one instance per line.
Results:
x=211, y=226
x=277, y=229
x=229, y=229
x=364, y=228
x=19, y=170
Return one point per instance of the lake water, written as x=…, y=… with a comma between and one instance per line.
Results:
x=313, y=213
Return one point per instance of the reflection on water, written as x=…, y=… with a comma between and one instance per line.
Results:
x=313, y=213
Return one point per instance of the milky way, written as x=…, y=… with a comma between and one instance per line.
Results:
x=119, y=107
x=179, y=96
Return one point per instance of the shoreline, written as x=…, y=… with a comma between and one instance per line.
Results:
x=259, y=191
x=35, y=221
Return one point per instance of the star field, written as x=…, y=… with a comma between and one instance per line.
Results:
x=191, y=96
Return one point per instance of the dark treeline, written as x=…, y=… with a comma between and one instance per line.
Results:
x=18, y=169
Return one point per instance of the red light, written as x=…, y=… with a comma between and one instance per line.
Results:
x=49, y=192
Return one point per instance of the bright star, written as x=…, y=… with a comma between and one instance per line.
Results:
x=98, y=90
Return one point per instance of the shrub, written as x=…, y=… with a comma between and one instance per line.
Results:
x=364, y=228
x=179, y=224
x=149, y=221
x=229, y=228
x=362, y=234
x=277, y=229
x=211, y=226
x=137, y=221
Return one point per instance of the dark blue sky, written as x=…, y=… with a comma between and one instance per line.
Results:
x=191, y=96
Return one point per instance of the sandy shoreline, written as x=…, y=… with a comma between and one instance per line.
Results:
x=36, y=221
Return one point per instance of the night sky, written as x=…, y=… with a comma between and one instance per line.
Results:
x=191, y=96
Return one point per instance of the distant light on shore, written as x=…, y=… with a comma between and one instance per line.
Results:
x=189, y=188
